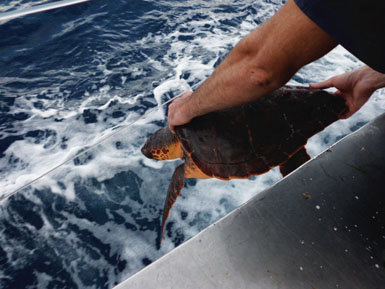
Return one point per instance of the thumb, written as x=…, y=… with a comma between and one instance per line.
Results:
x=324, y=84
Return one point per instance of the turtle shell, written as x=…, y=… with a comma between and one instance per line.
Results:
x=251, y=139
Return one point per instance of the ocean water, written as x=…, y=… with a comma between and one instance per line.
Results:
x=73, y=81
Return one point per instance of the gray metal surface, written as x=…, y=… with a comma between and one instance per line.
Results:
x=38, y=8
x=320, y=227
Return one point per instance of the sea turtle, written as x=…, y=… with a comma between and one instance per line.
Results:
x=245, y=141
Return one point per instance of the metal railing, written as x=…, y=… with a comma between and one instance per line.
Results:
x=38, y=8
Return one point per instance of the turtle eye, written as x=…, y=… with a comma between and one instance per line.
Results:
x=147, y=153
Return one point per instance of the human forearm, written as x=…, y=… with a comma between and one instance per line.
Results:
x=263, y=61
x=236, y=81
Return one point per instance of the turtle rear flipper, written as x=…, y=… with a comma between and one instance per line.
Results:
x=176, y=185
x=299, y=158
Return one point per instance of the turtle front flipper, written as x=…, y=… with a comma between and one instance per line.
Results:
x=176, y=185
x=297, y=159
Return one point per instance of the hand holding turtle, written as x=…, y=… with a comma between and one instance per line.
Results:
x=355, y=86
x=178, y=112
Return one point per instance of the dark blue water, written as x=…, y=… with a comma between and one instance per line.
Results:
x=67, y=77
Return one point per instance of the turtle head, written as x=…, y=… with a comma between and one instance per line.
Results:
x=163, y=145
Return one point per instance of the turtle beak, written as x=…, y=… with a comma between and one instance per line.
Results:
x=147, y=152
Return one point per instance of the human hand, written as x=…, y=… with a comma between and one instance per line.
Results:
x=355, y=86
x=178, y=111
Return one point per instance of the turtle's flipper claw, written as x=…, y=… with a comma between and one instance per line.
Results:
x=176, y=185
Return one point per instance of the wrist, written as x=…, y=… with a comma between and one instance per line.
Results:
x=373, y=79
x=188, y=110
